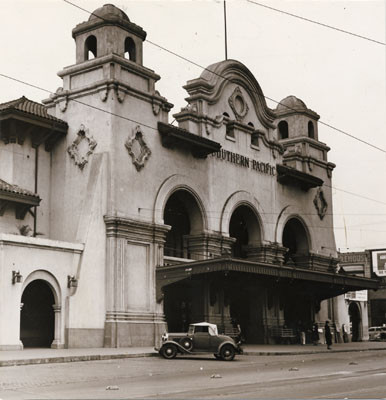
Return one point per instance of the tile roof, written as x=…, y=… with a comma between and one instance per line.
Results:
x=7, y=187
x=30, y=107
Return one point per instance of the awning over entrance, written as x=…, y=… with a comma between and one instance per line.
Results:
x=326, y=284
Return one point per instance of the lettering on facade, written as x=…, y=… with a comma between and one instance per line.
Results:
x=246, y=162
x=352, y=258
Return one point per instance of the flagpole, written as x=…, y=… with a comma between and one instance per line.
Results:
x=225, y=27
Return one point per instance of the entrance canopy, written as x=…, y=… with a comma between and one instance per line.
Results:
x=325, y=284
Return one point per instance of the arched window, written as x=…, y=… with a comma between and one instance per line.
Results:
x=295, y=238
x=311, y=132
x=245, y=228
x=90, y=48
x=283, y=130
x=184, y=216
x=130, y=49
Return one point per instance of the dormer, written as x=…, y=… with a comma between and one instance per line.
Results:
x=108, y=31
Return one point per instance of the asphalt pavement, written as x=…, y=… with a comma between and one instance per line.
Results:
x=45, y=355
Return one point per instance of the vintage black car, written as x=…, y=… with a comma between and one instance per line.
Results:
x=202, y=337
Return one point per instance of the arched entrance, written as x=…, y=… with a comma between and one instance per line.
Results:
x=244, y=309
x=355, y=322
x=183, y=213
x=37, y=320
x=297, y=303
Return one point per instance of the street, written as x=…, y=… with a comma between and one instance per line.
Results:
x=359, y=374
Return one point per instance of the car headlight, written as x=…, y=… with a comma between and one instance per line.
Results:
x=165, y=337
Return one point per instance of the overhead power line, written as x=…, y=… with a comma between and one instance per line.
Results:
x=155, y=129
x=227, y=79
x=316, y=22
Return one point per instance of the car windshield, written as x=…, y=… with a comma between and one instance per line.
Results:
x=191, y=329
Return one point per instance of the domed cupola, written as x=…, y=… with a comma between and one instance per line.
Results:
x=108, y=31
x=295, y=119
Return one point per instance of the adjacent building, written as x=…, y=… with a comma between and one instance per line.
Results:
x=364, y=308
x=117, y=225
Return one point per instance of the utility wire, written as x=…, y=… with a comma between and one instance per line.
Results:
x=200, y=66
x=229, y=80
x=155, y=129
x=151, y=127
x=316, y=22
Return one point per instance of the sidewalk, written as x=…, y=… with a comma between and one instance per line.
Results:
x=44, y=356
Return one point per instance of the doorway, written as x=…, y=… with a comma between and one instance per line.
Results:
x=37, y=320
x=355, y=322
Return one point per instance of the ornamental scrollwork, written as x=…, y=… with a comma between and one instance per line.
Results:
x=238, y=104
x=320, y=203
x=138, y=149
x=77, y=151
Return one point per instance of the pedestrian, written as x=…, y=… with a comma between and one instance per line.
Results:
x=315, y=334
x=327, y=333
x=302, y=333
x=344, y=332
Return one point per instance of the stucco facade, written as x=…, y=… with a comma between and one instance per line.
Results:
x=227, y=216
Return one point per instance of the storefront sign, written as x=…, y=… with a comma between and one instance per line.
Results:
x=246, y=162
x=359, y=295
x=352, y=257
x=378, y=258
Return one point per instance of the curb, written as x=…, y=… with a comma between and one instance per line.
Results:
x=298, y=353
x=66, y=359
x=99, y=357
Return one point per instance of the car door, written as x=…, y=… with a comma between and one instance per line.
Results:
x=201, y=341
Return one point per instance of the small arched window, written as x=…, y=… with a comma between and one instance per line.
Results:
x=283, y=130
x=90, y=48
x=311, y=132
x=251, y=124
x=130, y=49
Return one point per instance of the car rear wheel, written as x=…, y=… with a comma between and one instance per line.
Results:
x=186, y=343
x=168, y=351
x=227, y=353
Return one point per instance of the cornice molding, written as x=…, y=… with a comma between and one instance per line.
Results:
x=141, y=231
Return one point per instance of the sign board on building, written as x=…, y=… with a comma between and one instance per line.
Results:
x=359, y=295
x=378, y=261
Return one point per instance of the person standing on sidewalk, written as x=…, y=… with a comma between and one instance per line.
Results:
x=327, y=334
x=315, y=334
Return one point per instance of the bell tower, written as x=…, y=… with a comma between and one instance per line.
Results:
x=108, y=31
x=112, y=109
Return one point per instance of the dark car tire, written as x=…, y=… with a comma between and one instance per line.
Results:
x=217, y=357
x=186, y=343
x=168, y=351
x=227, y=353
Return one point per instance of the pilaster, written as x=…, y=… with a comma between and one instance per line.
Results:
x=134, y=248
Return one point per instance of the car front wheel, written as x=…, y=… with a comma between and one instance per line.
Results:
x=186, y=343
x=227, y=353
x=168, y=351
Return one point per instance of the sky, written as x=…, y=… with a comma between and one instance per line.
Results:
x=340, y=76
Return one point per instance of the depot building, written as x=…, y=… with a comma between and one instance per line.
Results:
x=117, y=225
